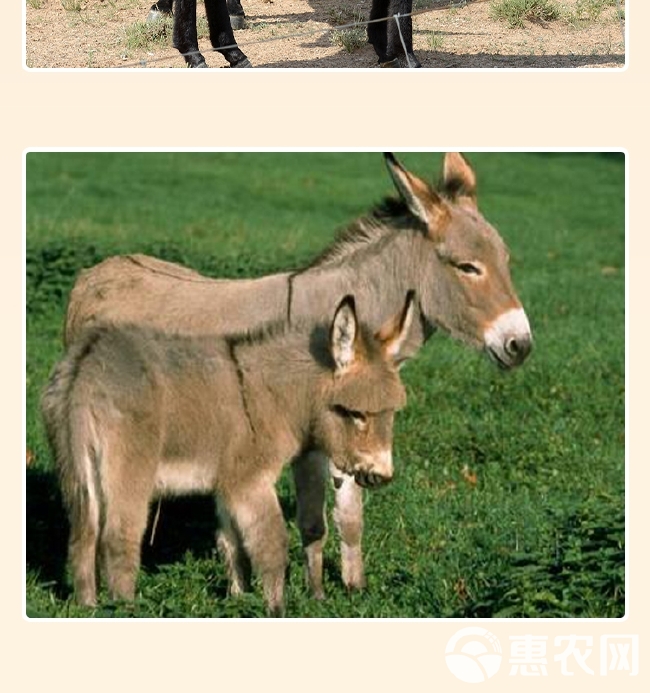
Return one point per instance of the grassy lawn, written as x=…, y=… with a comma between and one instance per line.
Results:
x=509, y=492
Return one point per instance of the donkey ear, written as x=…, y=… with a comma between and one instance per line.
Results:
x=423, y=202
x=458, y=177
x=394, y=332
x=343, y=334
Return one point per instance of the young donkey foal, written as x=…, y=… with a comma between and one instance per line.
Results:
x=132, y=413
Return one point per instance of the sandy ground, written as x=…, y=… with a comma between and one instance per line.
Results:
x=92, y=33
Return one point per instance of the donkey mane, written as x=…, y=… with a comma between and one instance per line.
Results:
x=376, y=228
x=292, y=336
x=262, y=333
x=387, y=218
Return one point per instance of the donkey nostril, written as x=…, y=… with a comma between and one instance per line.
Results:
x=384, y=479
x=518, y=348
x=512, y=346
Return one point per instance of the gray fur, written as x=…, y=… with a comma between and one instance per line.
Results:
x=418, y=241
x=133, y=413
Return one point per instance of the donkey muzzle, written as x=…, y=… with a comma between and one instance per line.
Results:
x=376, y=470
x=371, y=479
x=508, y=340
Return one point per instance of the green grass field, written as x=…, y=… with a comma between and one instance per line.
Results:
x=509, y=496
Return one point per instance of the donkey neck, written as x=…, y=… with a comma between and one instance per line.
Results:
x=279, y=382
x=377, y=264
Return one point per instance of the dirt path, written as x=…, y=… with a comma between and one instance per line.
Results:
x=93, y=33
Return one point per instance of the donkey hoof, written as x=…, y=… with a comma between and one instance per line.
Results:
x=355, y=586
x=390, y=63
x=203, y=64
x=156, y=16
x=237, y=21
x=410, y=61
x=243, y=63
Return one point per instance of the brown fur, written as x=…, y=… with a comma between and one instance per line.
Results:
x=418, y=241
x=133, y=413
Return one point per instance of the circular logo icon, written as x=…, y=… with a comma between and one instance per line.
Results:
x=473, y=654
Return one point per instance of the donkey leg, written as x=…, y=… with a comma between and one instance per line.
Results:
x=377, y=31
x=221, y=34
x=258, y=517
x=121, y=545
x=401, y=47
x=82, y=550
x=232, y=551
x=348, y=516
x=310, y=474
x=125, y=523
x=185, y=37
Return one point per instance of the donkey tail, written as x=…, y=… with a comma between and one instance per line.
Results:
x=72, y=437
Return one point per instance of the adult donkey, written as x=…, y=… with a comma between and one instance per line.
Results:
x=392, y=49
x=432, y=240
x=133, y=413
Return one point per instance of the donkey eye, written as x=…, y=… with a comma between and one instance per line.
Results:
x=469, y=268
x=358, y=418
